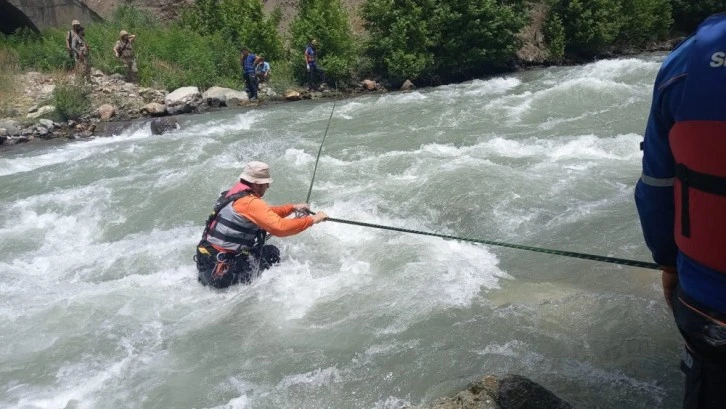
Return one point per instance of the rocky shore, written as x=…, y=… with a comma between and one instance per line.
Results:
x=31, y=115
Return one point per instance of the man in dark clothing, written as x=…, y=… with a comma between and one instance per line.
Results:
x=248, y=61
x=311, y=63
x=681, y=200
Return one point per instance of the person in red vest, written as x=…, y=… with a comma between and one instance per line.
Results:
x=233, y=249
x=681, y=200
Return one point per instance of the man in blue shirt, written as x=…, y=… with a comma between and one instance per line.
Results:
x=681, y=200
x=248, y=61
x=311, y=62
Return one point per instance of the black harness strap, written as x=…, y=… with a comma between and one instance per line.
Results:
x=701, y=181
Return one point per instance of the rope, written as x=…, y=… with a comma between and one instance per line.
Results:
x=592, y=257
x=317, y=159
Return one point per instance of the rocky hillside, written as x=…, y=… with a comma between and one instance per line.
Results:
x=169, y=9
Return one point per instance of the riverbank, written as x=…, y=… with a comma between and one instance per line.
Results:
x=30, y=112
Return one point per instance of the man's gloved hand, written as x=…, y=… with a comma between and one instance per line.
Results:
x=308, y=67
x=319, y=217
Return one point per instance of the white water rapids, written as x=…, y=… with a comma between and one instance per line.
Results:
x=100, y=306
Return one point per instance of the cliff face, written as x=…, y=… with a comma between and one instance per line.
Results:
x=164, y=9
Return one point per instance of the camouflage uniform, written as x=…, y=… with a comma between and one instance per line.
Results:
x=125, y=50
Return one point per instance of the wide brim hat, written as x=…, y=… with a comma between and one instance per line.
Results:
x=256, y=172
x=123, y=33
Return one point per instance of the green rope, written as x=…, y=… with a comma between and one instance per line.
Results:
x=310, y=190
x=592, y=257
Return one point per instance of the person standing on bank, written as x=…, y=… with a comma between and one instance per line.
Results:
x=233, y=243
x=124, y=50
x=311, y=64
x=249, y=61
x=82, y=52
x=681, y=200
x=75, y=27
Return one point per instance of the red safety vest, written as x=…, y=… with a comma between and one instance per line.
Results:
x=699, y=150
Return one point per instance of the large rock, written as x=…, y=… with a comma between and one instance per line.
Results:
x=369, y=85
x=161, y=126
x=183, y=100
x=235, y=98
x=216, y=96
x=46, y=123
x=42, y=111
x=512, y=392
x=408, y=86
x=518, y=392
x=292, y=95
x=106, y=112
x=10, y=126
x=154, y=109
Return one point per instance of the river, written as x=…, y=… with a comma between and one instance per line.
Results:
x=100, y=306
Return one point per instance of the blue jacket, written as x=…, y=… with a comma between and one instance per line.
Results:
x=678, y=98
x=248, y=63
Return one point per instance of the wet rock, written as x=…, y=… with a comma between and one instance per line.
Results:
x=183, y=100
x=369, y=85
x=46, y=123
x=42, y=131
x=154, y=109
x=518, y=392
x=160, y=126
x=236, y=98
x=41, y=111
x=408, y=86
x=292, y=95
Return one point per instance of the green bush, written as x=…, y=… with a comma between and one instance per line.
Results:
x=644, y=21
x=590, y=25
x=400, y=37
x=327, y=22
x=448, y=40
x=71, y=99
x=554, y=32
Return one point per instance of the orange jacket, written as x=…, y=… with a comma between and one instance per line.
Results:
x=271, y=219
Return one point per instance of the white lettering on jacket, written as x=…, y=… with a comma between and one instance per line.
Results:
x=718, y=59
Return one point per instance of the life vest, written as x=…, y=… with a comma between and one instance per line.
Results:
x=226, y=229
x=698, y=144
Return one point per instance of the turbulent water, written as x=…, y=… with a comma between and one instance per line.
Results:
x=100, y=306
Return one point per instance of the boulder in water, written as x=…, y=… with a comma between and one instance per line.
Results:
x=292, y=95
x=154, y=109
x=408, y=86
x=161, y=126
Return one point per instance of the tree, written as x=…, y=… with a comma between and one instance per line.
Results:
x=327, y=22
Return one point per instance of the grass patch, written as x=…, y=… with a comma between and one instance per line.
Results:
x=71, y=99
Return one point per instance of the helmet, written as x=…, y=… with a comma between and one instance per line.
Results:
x=123, y=33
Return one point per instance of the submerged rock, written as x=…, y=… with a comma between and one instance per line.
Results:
x=160, y=126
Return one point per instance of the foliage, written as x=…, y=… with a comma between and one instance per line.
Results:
x=241, y=22
x=167, y=57
x=446, y=39
x=400, y=37
x=327, y=22
x=71, y=99
x=554, y=32
x=643, y=21
x=590, y=25
x=687, y=14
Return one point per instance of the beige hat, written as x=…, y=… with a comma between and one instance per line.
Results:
x=256, y=172
x=75, y=23
x=123, y=33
